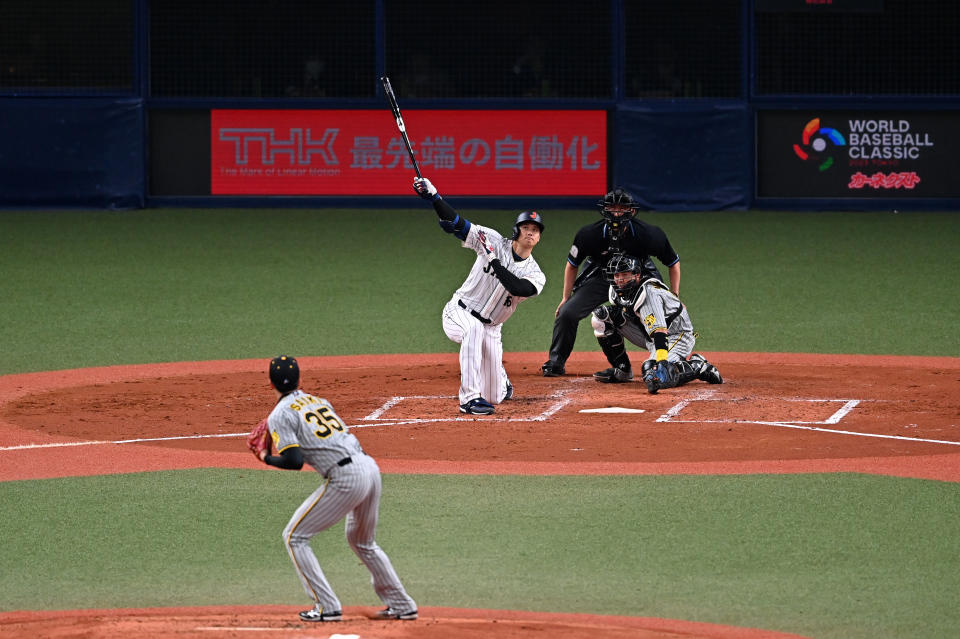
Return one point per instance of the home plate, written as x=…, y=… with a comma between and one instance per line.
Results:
x=612, y=409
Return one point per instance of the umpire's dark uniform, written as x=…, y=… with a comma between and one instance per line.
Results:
x=592, y=247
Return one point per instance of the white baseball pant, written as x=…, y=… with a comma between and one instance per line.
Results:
x=481, y=354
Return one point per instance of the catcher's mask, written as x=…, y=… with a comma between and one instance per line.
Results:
x=627, y=265
x=284, y=373
x=618, y=207
x=527, y=216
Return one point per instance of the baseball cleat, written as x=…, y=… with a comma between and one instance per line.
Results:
x=390, y=613
x=706, y=371
x=552, y=369
x=509, y=394
x=318, y=615
x=477, y=406
x=711, y=375
x=613, y=375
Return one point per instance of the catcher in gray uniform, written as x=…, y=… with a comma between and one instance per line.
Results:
x=305, y=428
x=643, y=310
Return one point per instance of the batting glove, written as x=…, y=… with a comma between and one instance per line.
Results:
x=487, y=246
x=425, y=189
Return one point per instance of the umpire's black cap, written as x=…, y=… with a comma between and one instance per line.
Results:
x=284, y=373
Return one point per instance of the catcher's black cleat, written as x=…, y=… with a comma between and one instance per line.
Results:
x=477, y=406
x=707, y=371
x=552, y=369
x=614, y=375
x=390, y=613
x=317, y=615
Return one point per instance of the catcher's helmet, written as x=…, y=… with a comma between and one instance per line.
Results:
x=621, y=263
x=284, y=373
x=527, y=216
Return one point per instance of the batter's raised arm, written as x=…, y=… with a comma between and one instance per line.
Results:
x=450, y=221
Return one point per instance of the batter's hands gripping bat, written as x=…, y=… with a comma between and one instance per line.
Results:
x=392, y=99
x=488, y=251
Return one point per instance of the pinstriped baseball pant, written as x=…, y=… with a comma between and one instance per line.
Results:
x=481, y=354
x=351, y=492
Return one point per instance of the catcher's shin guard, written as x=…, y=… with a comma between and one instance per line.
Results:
x=705, y=370
x=686, y=372
x=614, y=375
x=612, y=346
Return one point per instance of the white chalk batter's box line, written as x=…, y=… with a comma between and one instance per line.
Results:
x=561, y=400
x=839, y=414
x=559, y=397
x=669, y=417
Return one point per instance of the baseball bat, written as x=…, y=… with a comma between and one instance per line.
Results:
x=392, y=99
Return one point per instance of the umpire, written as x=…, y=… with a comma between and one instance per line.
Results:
x=593, y=246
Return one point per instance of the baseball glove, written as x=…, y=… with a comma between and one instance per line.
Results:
x=662, y=375
x=259, y=440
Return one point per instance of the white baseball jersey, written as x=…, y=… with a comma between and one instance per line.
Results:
x=351, y=491
x=475, y=314
x=482, y=291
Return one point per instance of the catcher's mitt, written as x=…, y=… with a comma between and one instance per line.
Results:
x=259, y=440
x=662, y=375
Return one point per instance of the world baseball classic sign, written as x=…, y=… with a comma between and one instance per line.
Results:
x=858, y=154
x=361, y=152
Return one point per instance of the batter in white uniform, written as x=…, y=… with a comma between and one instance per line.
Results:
x=305, y=428
x=503, y=275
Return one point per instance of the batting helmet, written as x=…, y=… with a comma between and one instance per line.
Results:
x=527, y=216
x=284, y=373
x=618, y=205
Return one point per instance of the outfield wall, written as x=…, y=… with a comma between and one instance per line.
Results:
x=715, y=104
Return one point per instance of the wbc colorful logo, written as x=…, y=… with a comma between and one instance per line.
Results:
x=818, y=144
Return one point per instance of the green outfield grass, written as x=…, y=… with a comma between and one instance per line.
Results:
x=834, y=555
x=821, y=555
x=99, y=288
